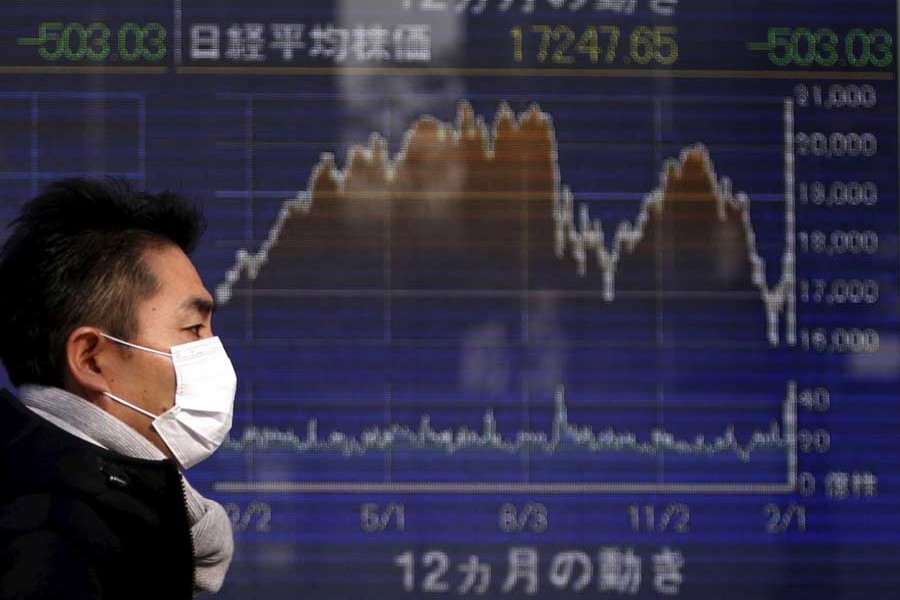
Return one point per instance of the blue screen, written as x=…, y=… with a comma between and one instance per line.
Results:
x=526, y=298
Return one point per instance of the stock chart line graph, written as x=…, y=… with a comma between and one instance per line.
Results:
x=508, y=177
x=376, y=230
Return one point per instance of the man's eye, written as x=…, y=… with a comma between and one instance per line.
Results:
x=195, y=329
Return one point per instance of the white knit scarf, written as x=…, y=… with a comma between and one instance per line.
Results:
x=210, y=525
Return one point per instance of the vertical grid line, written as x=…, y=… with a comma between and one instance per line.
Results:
x=142, y=141
x=248, y=181
x=789, y=264
x=660, y=320
x=789, y=417
x=34, y=159
x=177, y=33
x=388, y=307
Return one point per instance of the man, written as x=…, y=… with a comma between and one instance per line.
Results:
x=105, y=330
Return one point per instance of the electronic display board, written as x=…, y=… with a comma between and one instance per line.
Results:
x=527, y=298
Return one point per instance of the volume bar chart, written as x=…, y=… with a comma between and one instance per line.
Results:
x=561, y=436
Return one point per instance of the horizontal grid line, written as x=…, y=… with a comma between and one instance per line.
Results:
x=284, y=487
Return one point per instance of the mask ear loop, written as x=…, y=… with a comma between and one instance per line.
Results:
x=131, y=406
x=136, y=346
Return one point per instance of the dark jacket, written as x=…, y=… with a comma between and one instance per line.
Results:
x=78, y=521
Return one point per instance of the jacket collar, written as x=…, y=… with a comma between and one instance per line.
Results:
x=36, y=455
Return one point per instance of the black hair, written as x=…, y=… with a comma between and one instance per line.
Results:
x=74, y=258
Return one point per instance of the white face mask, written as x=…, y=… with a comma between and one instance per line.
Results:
x=205, y=384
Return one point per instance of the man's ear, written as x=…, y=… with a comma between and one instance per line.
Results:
x=87, y=355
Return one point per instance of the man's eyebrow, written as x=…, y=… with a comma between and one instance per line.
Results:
x=201, y=304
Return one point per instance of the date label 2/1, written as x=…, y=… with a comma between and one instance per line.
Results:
x=782, y=519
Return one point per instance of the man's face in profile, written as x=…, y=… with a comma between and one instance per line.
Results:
x=179, y=312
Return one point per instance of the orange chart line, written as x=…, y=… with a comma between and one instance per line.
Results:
x=516, y=147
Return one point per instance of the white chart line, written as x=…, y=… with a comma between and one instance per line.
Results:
x=561, y=430
x=576, y=233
